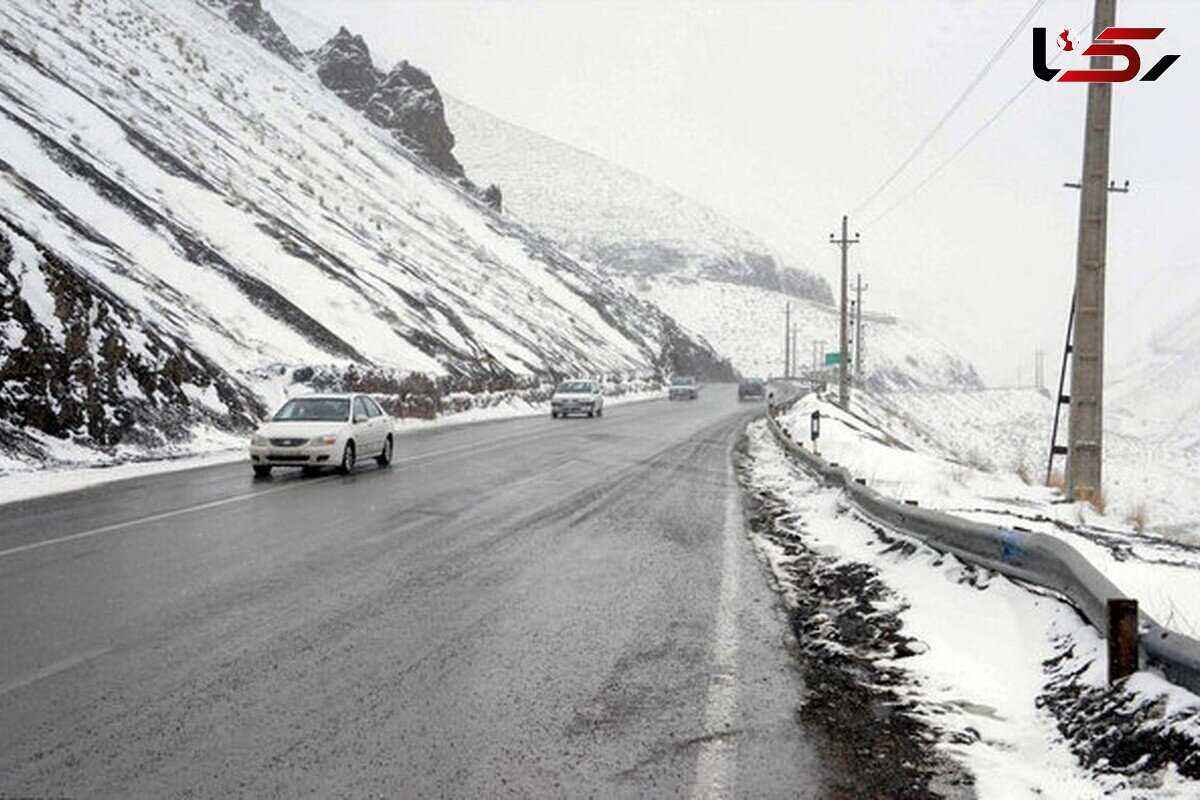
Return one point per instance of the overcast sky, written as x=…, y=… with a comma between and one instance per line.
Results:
x=785, y=115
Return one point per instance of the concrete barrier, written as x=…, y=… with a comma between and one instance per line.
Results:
x=1035, y=558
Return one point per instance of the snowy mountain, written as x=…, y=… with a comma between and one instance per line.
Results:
x=189, y=217
x=614, y=216
x=1155, y=392
x=714, y=277
x=747, y=323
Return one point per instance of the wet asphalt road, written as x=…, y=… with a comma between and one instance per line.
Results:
x=520, y=608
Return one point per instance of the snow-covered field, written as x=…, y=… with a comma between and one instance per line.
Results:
x=977, y=647
x=966, y=452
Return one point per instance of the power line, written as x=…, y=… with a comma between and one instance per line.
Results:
x=947, y=161
x=941, y=167
x=1012, y=36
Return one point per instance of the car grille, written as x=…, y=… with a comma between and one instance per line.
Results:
x=274, y=457
x=288, y=442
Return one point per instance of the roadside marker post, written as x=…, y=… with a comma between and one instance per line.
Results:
x=815, y=429
x=1122, y=638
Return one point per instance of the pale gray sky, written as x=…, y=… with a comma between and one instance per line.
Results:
x=785, y=115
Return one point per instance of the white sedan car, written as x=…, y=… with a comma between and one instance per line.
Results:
x=325, y=430
x=579, y=396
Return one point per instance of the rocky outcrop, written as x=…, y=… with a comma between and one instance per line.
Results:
x=404, y=101
x=78, y=363
x=344, y=67
x=250, y=18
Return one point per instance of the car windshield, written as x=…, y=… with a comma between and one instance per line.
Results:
x=575, y=387
x=314, y=409
x=683, y=380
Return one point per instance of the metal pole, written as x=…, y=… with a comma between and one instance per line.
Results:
x=795, y=360
x=1060, y=399
x=858, y=330
x=787, y=340
x=1085, y=425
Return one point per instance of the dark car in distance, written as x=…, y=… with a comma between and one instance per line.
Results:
x=684, y=387
x=752, y=389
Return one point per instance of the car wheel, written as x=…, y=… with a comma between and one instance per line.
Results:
x=553, y=415
x=385, y=458
x=591, y=414
x=347, y=465
x=262, y=471
x=600, y=411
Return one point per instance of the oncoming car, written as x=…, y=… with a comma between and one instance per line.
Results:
x=684, y=387
x=579, y=396
x=325, y=430
x=752, y=389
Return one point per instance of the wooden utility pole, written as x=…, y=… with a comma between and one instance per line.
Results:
x=1085, y=431
x=844, y=351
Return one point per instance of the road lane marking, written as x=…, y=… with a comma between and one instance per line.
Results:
x=117, y=526
x=716, y=763
x=53, y=669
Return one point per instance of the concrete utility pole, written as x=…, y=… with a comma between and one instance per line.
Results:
x=787, y=340
x=858, y=329
x=1085, y=432
x=843, y=375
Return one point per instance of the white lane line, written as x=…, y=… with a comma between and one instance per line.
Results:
x=716, y=763
x=52, y=669
x=117, y=526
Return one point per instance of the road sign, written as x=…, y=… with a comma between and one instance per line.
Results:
x=832, y=358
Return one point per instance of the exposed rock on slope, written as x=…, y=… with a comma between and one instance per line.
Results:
x=250, y=17
x=189, y=220
x=404, y=100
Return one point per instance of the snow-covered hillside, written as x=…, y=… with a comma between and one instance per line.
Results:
x=982, y=455
x=612, y=215
x=1156, y=395
x=747, y=324
x=188, y=215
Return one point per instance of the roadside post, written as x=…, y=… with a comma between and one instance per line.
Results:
x=1122, y=638
x=815, y=430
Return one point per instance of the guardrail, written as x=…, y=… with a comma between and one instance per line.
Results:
x=1035, y=558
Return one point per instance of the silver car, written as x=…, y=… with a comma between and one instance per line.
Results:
x=578, y=396
x=323, y=430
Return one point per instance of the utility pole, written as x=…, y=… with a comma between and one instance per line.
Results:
x=787, y=340
x=795, y=358
x=1085, y=432
x=858, y=329
x=843, y=375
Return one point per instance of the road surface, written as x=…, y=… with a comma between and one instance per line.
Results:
x=520, y=608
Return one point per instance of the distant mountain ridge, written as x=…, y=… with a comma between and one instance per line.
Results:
x=614, y=216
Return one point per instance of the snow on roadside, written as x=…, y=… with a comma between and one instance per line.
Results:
x=966, y=467
x=974, y=645
x=23, y=481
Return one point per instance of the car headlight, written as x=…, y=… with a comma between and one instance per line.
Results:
x=258, y=441
x=327, y=439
